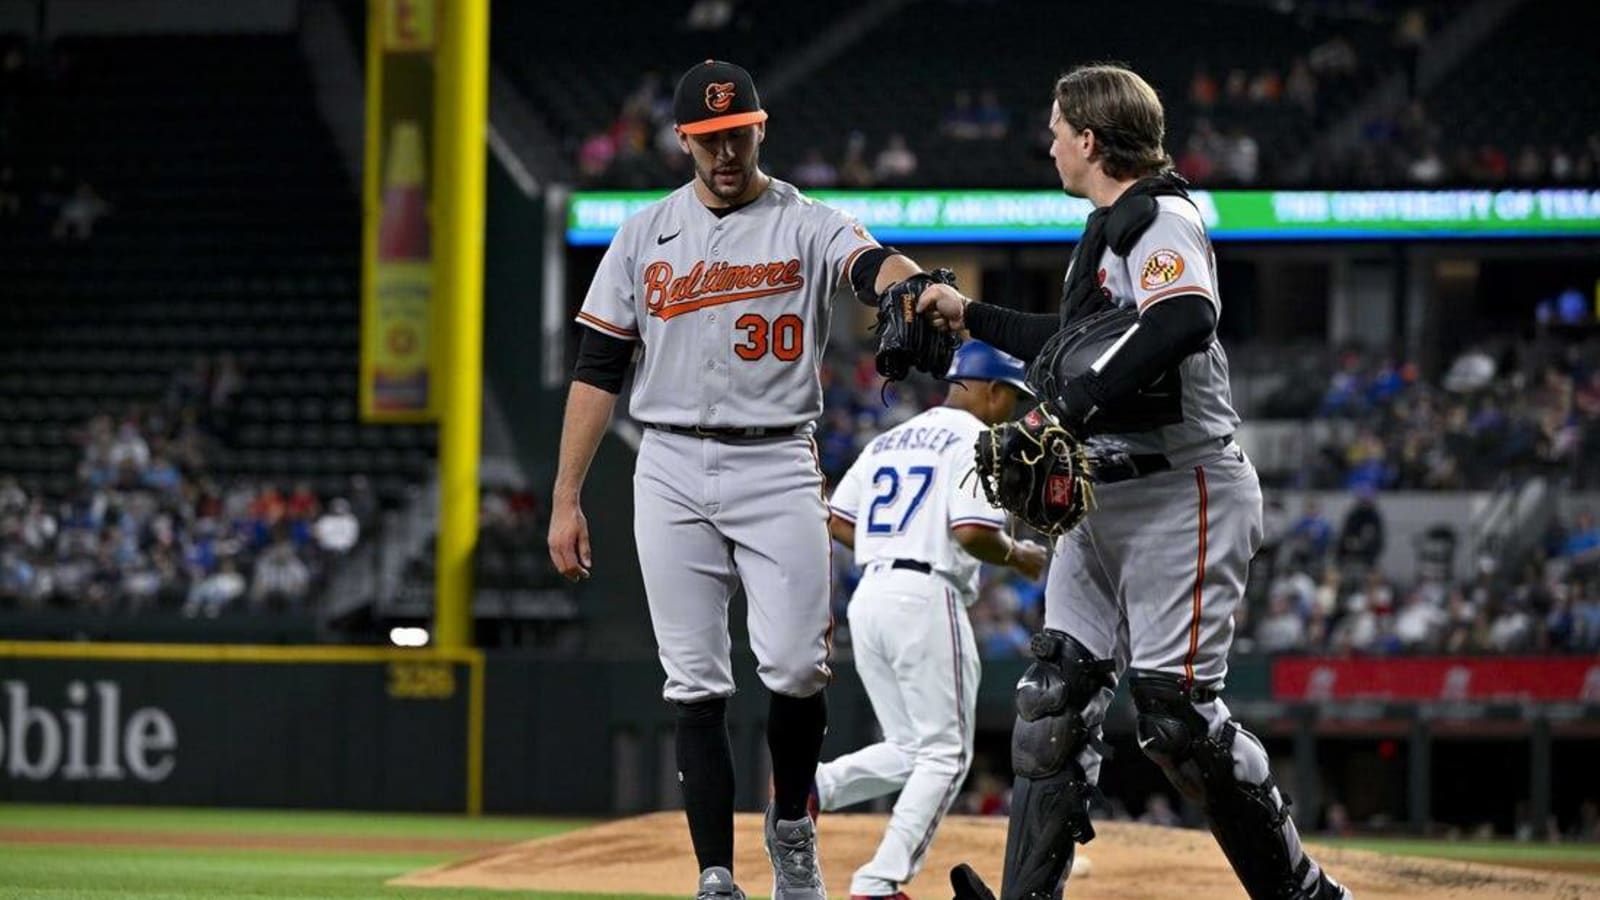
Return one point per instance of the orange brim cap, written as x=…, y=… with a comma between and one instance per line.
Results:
x=722, y=123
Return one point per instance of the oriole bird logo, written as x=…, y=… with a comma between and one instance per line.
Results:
x=719, y=96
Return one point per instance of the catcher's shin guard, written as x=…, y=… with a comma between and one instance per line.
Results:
x=1228, y=775
x=1050, y=797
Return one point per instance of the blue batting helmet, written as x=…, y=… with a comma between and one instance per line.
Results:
x=977, y=361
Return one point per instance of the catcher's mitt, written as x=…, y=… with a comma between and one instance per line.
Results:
x=907, y=340
x=1036, y=469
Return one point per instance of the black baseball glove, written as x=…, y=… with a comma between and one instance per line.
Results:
x=907, y=340
x=1036, y=469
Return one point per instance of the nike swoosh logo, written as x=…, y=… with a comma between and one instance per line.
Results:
x=663, y=238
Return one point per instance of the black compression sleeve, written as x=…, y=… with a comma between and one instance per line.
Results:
x=1020, y=334
x=1165, y=334
x=602, y=360
x=864, y=274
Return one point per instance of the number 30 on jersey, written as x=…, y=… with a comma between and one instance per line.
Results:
x=783, y=337
x=887, y=481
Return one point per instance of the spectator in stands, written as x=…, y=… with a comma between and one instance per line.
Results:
x=1202, y=88
x=1582, y=545
x=1333, y=58
x=338, y=529
x=1529, y=167
x=1510, y=626
x=595, y=156
x=993, y=120
x=1241, y=158
x=79, y=213
x=281, y=577
x=814, y=171
x=1236, y=88
x=215, y=592
x=1428, y=168
x=1198, y=163
x=1311, y=536
x=709, y=15
x=1361, y=537
x=1561, y=164
x=854, y=170
x=302, y=505
x=129, y=450
x=1491, y=164
x=1420, y=621
x=895, y=161
x=1266, y=88
x=1282, y=630
x=960, y=121
x=1300, y=88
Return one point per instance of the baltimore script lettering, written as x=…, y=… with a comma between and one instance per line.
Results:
x=666, y=296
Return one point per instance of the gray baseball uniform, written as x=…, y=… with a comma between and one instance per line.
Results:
x=733, y=315
x=1152, y=576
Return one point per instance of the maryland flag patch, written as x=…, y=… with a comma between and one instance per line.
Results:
x=1161, y=268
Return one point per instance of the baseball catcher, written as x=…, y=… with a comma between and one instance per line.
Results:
x=907, y=340
x=1137, y=402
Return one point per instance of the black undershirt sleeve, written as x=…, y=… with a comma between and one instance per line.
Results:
x=602, y=360
x=1020, y=334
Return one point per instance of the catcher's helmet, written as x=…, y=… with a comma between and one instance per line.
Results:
x=977, y=361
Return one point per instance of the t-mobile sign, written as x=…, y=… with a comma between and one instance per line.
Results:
x=83, y=736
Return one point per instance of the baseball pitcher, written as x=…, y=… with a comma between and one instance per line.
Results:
x=722, y=291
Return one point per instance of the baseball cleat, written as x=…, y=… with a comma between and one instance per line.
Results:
x=716, y=883
x=792, y=848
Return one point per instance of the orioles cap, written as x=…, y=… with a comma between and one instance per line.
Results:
x=715, y=95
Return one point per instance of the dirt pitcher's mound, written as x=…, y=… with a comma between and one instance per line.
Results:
x=651, y=855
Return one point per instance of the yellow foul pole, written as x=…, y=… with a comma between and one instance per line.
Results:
x=461, y=106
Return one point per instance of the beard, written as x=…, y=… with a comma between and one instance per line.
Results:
x=727, y=182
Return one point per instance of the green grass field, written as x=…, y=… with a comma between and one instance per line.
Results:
x=66, y=871
x=185, y=854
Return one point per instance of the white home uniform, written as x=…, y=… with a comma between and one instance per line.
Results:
x=732, y=312
x=913, y=643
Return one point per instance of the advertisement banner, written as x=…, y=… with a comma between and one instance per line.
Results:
x=239, y=726
x=397, y=309
x=1444, y=679
x=909, y=217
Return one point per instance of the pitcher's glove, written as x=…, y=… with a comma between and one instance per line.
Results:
x=907, y=340
x=1035, y=468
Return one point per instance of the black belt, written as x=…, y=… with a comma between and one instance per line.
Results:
x=1126, y=466
x=729, y=434
x=1115, y=467
x=915, y=565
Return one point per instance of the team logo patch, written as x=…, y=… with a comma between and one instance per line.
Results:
x=1100, y=277
x=861, y=232
x=1059, y=490
x=719, y=96
x=1161, y=268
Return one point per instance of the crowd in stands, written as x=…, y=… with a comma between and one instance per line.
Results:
x=1411, y=149
x=147, y=525
x=1494, y=417
x=1230, y=126
x=1325, y=593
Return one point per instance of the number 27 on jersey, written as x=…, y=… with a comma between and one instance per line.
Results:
x=887, y=481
